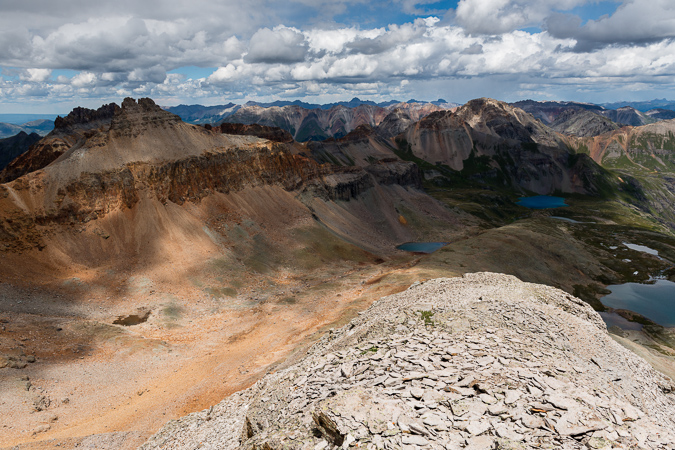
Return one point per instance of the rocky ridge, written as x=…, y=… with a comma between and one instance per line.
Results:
x=489, y=140
x=548, y=111
x=582, y=123
x=74, y=129
x=320, y=124
x=144, y=152
x=628, y=115
x=480, y=362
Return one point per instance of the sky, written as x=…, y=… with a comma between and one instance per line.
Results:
x=55, y=56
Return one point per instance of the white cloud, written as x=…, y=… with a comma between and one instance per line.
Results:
x=634, y=22
x=230, y=73
x=36, y=75
x=131, y=47
x=280, y=45
x=83, y=79
x=502, y=16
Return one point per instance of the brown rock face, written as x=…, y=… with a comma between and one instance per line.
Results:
x=491, y=140
x=147, y=152
x=274, y=134
x=74, y=129
x=134, y=117
x=84, y=116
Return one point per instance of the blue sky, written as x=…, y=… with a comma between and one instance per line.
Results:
x=58, y=55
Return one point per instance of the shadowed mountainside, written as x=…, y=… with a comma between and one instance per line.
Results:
x=12, y=147
x=582, y=123
x=69, y=131
x=490, y=141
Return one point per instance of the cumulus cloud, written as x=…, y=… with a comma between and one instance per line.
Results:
x=635, y=22
x=155, y=74
x=394, y=36
x=503, y=16
x=280, y=45
x=83, y=79
x=132, y=48
x=36, y=75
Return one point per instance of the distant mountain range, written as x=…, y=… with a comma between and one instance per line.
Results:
x=13, y=124
x=317, y=122
x=307, y=121
x=552, y=113
x=643, y=106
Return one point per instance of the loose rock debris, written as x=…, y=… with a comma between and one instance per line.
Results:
x=480, y=362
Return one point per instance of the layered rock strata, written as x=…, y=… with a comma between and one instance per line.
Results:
x=146, y=152
x=479, y=362
x=489, y=140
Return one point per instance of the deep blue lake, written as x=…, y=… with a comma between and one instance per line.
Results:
x=541, y=202
x=654, y=301
x=421, y=247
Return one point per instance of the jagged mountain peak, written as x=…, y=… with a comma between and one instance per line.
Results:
x=497, y=118
x=85, y=117
x=487, y=106
x=141, y=114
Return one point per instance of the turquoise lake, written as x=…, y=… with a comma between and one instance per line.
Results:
x=421, y=247
x=541, y=202
x=654, y=301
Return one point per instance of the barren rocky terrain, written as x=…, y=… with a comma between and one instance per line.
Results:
x=483, y=361
x=151, y=268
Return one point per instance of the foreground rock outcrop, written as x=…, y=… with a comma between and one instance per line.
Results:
x=479, y=362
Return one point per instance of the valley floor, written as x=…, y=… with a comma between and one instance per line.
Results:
x=97, y=382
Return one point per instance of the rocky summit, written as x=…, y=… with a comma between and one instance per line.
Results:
x=479, y=362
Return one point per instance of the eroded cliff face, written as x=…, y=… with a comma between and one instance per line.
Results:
x=492, y=141
x=644, y=161
x=648, y=147
x=148, y=153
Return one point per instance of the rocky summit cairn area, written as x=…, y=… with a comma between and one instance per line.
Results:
x=479, y=362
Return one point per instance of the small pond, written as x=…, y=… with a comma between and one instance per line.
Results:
x=654, y=301
x=541, y=202
x=641, y=248
x=421, y=247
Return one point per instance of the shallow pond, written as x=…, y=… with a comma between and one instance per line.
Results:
x=541, y=202
x=421, y=247
x=641, y=248
x=654, y=301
